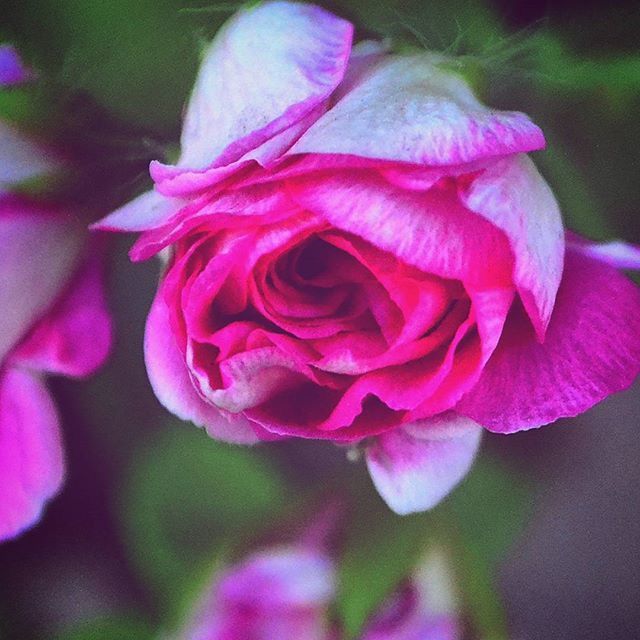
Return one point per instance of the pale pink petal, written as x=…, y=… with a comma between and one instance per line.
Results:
x=411, y=109
x=430, y=230
x=12, y=69
x=173, y=386
x=147, y=211
x=39, y=251
x=616, y=253
x=414, y=467
x=591, y=350
x=267, y=68
x=31, y=456
x=74, y=338
x=21, y=160
x=513, y=196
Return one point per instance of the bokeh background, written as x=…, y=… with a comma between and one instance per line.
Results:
x=544, y=533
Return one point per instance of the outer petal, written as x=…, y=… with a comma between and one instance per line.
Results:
x=12, y=71
x=268, y=67
x=147, y=211
x=173, y=387
x=410, y=109
x=616, y=253
x=514, y=197
x=31, y=457
x=591, y=350
x=22, y=160
x=74, y=338
x=39, y=250
x=415, y=467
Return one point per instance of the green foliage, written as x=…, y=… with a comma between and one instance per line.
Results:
x=108, y=629
x=189, y=499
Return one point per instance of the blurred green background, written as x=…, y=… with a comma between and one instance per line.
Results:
x=544, y=531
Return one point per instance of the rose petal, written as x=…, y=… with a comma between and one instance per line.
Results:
x=513, y=196
x=173, y=387
x=414, y=467
x=591, y=350
x=301, y=52
x=615, y=253
x=147, y=211
x=39, y=250
x=74, y=338
x=429, y=230
x=31, y=457
x=410, y=109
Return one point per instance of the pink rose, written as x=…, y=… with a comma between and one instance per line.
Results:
x=54, y=321
x=280, y=592
x=360, y=251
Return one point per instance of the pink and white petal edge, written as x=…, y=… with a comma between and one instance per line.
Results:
x=173, y=387
x=75, y=337
x=31, y=455
x=591, y=350
x=414, y=467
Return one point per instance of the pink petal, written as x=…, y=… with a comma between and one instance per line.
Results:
x=513, y=196
x=173, y=387
x=39, y=251
x=12, y=70
x=22, y=160
x=429, y=230
x=415, y=467
x=267, y=68
x=616, y=253
x=74, y=338
x=147, y=211
x=411, y=109
x=31, y=457
x=591, y=350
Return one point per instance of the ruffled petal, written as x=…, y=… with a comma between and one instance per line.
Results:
x=173, y=386
x=31, y=456
x=75, y=337
x=416, y=466
x=301, y=53
x=39, y=251
x=513, y=196
x=615, y=253
x=411, y=109
x=591, y=350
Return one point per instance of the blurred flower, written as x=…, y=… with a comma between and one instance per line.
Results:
x=54, y=321
x=12, y=69
x=362, y=252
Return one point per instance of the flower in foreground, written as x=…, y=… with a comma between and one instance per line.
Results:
x=362, y=252
x=54, y=321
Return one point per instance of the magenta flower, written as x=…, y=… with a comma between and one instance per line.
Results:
x=54, y=321
x=361, y=252
x=280, y=592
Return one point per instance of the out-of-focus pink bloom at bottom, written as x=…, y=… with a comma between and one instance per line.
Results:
x=280, y=593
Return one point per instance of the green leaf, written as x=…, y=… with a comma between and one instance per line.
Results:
x=188, y=499
x=108, y=629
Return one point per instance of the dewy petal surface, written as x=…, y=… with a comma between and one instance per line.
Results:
x=74, y=338
x=39, y=250
x=409, y=109
x=267, y=68
x=591, y=350
x=414, y=467
x=174, y=388
x=513, y=196
x=31, y=458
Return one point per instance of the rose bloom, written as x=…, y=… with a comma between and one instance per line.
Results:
x=360, y=251
x=54, y=321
